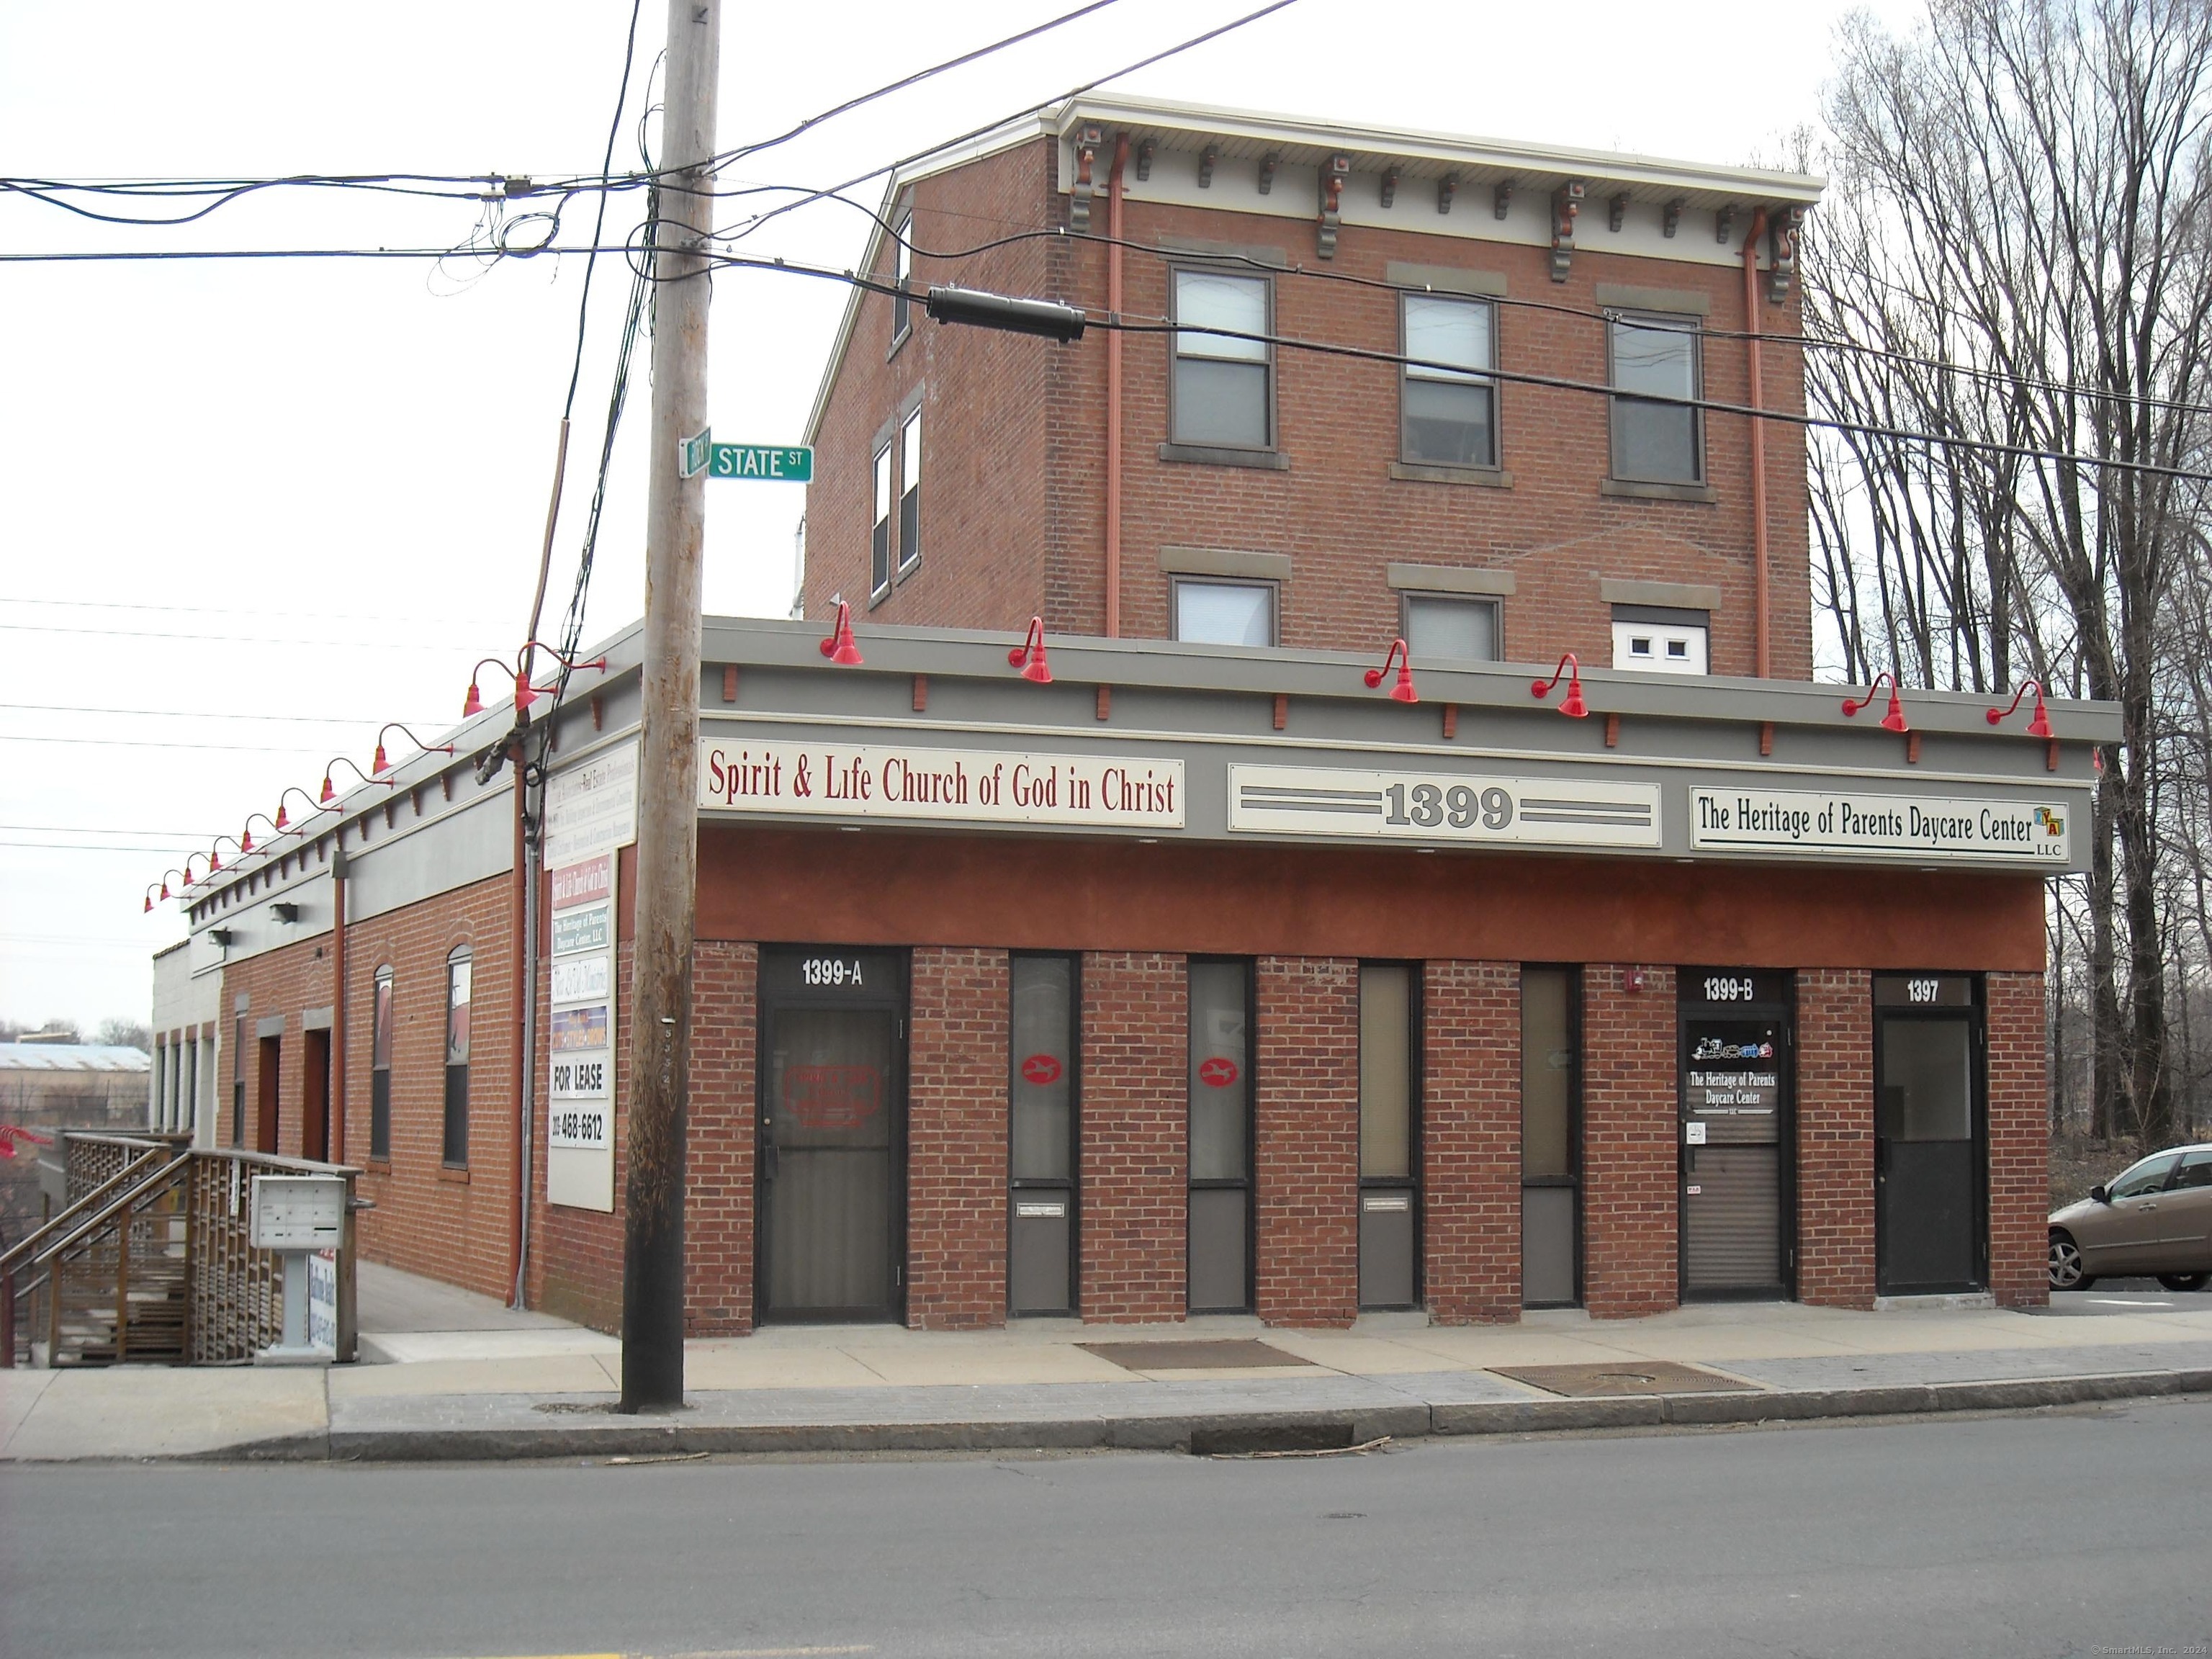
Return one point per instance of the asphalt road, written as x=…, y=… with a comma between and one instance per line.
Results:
x=2069, y=1531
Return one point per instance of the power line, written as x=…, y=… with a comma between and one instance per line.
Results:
x=234, y=611
x=209, y=714
x=914, y=79
x=1126, y=325
x=1180, y=46
x=228, y=639
x=160, y=851
x=102, y=830
x=164, y=742
x=599, y=222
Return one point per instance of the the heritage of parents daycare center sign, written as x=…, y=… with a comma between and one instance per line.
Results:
x=1916, y=828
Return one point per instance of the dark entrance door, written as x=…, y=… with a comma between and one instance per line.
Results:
x=831, y=1156
x=1736, y=1134
x=1930, y=1234
x=315, y=1097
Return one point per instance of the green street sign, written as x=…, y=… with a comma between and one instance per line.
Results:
x=782, y=462
x=691, y=454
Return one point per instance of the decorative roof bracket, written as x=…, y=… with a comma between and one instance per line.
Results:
x=1447, y=187
x=1390, y=186
x=1617, y=211
x=1333, y=177
x=1501, y=199
x=1206, y=165
x=1724, y=225
x=1087, y=141
x=1672, y=220
x=1566, y=202
x=1782, y=226
x=1144, y=159
x=1268, y=163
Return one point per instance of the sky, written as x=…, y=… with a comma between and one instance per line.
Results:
x=250, y=510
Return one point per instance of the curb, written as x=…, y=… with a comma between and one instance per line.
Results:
x=634, y=1437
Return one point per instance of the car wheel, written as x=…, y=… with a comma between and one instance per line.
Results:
x=2171, y=1281
x=2066, y=1272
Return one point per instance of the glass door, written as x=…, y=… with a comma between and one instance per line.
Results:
x=1930, y=1236
x=1041, y=1130
x=831, y=1153
x=1736, y=1134
x=1220, y=1260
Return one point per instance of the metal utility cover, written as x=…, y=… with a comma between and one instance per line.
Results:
x=1227, y=1353
x=1624, y=1377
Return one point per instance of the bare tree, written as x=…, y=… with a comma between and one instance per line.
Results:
x=2016, y=253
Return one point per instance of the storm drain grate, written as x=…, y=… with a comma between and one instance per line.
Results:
x=1225, y=1353
x=1624, y=1378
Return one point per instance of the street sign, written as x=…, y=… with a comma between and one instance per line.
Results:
x=784, y=463
x=691, y=454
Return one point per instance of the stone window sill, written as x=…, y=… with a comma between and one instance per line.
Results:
x=1263, y=460
x=1636, y=490
x=447, y=1172
x=1488, y=477
x=378, y=1165
x=899, y=339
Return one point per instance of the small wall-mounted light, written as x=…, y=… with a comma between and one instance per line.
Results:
x=840, y=648
x=2039, y=725
x=1402, y=655
x=1572, y=705
x=291, y=789
x=223, y=938
x=1891, y=720
x=285, y=912
x=1632, y=979
x=330, y=794
x=1028, y=655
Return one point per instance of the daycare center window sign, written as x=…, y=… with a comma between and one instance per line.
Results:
x=1924, y=829
x=900, y=783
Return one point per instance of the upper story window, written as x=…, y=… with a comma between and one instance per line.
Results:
x=1224, y=393
x=459, y=976
x=1659, y=639
x=1447, y=628
x=1655, y=442
x=879, y=537
x=1224, y=612
x=901, y=268
x=1449, y=411
x=909, y=513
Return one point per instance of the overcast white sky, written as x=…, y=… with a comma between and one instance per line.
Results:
x=250, y=510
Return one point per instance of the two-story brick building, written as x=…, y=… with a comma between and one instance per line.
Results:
x=1202, y=958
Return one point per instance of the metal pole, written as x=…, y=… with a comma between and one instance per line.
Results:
x=335, y=1148
x=668, y=816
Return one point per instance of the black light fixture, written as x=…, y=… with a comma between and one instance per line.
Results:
x=1048, y=318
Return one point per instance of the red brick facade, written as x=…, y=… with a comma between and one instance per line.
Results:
x=1134, y=1136
x=1013, y=501
x=2020, y=1141
x=957, y=1093
x=1471, y=1140
x=1305, y=1162
x=1835, y=1138
x=1630, y=1167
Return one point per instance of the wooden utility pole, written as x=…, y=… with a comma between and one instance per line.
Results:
x=668, y=814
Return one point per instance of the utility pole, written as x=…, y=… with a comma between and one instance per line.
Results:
x=668, y=747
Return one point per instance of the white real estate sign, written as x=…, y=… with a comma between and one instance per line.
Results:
x=592, y=806
x=580, y=1037
x=1442, y=808
x=1911, y=829
x=975, y=786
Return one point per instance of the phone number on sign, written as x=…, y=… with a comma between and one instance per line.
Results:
x=568, y=1127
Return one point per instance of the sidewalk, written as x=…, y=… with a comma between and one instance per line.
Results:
x=470, y=1379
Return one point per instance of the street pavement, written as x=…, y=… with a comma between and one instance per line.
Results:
x=2073, y=1531
x=464, y=1377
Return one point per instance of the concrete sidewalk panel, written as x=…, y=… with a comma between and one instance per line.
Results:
x=20, y=1390
x=554, y=1374
x=159, y=1411
x=1546, y=1416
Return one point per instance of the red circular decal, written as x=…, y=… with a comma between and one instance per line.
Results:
x=1217, y=1073
x=1041, y=1068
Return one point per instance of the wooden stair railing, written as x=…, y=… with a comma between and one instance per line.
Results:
x=20, y=1263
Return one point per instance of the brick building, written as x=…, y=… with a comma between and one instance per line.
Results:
x=1197, y=968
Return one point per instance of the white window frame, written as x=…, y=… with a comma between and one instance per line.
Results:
x=1273, y=590
x=885, y=504
x=909, y=489
x=1450, y=377
x=1409, y=596
x=1265, y=360
x=1694, y=328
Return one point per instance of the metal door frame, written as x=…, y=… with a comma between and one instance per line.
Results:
x=1577, y=1182
x=1785, y=1012
x=1250, y=1183
x=766, y=1005
x=1412, y=1182
x=1976, y=1016
x=1072, y=1186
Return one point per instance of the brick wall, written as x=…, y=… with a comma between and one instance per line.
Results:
x=1471, y=1140
x=1135, y=1136
x=1014, y=498
x=2019, y=1142
x=1630, y=1168
x=1835, y=1138
x=957, y=1072
x=718, y=1223
x=1305, y=1161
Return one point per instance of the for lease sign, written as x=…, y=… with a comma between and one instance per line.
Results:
x=1918, y=828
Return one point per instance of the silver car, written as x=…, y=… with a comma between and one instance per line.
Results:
x=2155, y=1219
